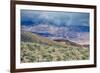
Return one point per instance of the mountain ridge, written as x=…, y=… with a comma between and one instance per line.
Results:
x=31, y=37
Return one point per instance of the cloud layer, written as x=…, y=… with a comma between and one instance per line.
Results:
x=31, y=17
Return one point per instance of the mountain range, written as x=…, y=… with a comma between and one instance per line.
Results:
x=31, y=37
x=72, y=33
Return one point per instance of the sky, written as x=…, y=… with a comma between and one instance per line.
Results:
x=58, y=19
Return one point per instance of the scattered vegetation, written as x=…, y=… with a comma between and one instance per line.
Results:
x=39, y=52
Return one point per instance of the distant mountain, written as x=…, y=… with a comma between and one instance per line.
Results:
x=31, y=37
x=79, y=28
x=78, y=34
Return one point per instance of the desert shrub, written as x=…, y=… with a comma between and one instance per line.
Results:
x=37, y=52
